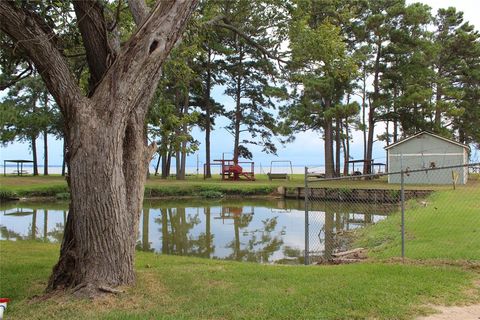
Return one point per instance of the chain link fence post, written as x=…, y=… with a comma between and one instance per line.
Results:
x=306, y=258
x=402, y=201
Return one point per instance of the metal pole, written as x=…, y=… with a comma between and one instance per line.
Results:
x=402, y=201
x=306, y=193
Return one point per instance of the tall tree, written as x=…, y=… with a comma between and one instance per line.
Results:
x=252, y=42
x=27, y=114
x=107, y=154
x=322, y=68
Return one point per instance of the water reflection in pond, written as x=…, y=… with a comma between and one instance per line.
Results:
x=259, y=231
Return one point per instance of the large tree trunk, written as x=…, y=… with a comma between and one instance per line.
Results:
x=100, y=235
x=107, y=156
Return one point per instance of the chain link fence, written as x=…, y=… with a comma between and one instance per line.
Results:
x=425, y=214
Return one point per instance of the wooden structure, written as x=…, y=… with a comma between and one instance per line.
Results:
x=279, y=175
x=370, y=163
x=231, y=170
x=19, y=171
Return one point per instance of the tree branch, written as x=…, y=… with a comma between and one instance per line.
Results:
x=24, y=74
x=40, y=48
x=93, y=28
x=117, y=16
x=225, y=24
x=139, y=10
x=136, y=70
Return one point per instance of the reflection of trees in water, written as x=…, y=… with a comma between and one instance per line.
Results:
x=261, y=243
x=339, y=218
x=33, y=226
x=56, y=233
x=144, y=244
x=8, y=234
x=54, y=236
x=177, y=238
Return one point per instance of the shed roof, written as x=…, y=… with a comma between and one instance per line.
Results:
x=430, y=134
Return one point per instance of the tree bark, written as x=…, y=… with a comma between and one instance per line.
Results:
x=438, y=109
x=371, y=128
x=367, y=168
x=328, y=147
x=183, y=149
x=157, y=166
x=33, y=140
x=337, y=146
x=395, y=121
x=208, y=124
x=364, y=107
x=238, y=112
x=45, y=153
x=45, y=137
x=346, y=147
x=107, y=156
x=64, y=151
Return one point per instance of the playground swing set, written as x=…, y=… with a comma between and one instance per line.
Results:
x=279, y=175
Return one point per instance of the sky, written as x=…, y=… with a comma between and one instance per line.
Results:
x=306, y=150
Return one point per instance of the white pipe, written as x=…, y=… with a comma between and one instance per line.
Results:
x=3, y=306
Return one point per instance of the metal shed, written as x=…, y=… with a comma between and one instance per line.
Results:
x=427, y=150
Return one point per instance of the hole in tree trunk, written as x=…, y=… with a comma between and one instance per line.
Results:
x=153, y=46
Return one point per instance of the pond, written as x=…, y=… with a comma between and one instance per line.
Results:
x=265, y=231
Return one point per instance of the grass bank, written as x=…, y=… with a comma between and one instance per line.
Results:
x=56, y=186
x=172, y=287
x=446, y=225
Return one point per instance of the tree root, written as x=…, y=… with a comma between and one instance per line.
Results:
x=110, y=290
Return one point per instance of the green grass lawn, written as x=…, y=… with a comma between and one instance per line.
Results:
x=172, y=287
x=444, y=226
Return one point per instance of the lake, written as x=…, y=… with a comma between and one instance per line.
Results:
x=264, y=231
